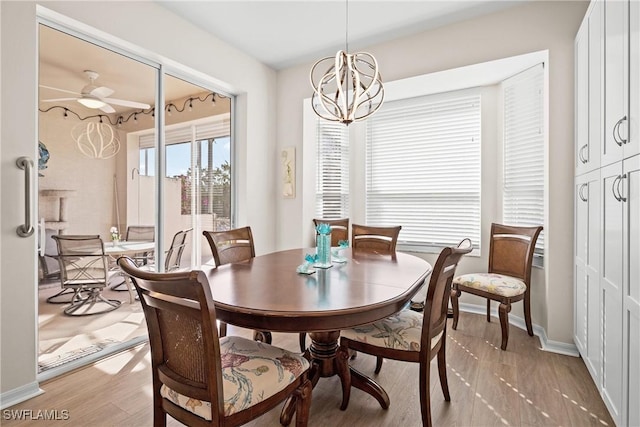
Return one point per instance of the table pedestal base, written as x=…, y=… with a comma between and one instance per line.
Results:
x=327, y=360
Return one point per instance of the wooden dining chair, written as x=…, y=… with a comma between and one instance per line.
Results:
x=380, y=240
x=231, y=246
x=203, y=380
x=339, y=229
x=410, y=336
x=508, y=278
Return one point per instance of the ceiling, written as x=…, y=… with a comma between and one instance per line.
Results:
x=278, y=33
x=286, y=33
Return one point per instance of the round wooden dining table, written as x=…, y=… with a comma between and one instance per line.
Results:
x=266, y=293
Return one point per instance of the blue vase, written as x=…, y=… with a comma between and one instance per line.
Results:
x=323, y=243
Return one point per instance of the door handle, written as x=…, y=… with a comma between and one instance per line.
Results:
x=26, y=229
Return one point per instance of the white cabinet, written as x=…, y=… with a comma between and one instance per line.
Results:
x=611, y=287
x=588, y=87
x=607, y=203
x=616, y=90
x=630, y=195
x=587, y=270
x=632, y=146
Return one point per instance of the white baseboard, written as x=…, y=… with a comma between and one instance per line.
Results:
x=20, y=394
x=567, y=349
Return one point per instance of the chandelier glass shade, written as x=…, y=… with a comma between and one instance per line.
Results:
x=96, y=140
x=349, y=90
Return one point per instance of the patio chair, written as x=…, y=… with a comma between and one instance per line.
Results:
x=83, y=268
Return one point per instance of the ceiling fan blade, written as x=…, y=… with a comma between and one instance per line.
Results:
x=101, y=92
x=60, y=90
x=107, y=109
x=59, y=99
x=124, y=103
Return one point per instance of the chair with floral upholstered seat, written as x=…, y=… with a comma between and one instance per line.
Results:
x=203, y=380
x=410, y=336
x=508, y=278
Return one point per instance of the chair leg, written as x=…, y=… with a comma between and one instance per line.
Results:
x=504, y=323
x=263, y=336
x=379, y=360
x=302, y=338
x=455, y=294
x=91, y=299
x=527, y=314
x=442, y=370
x=222, y=330
x=303, y=403
x=54, y=299
x=488, y=310
x=425, y=397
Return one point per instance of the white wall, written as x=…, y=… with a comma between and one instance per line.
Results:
x=152, y=31
x=532, y=27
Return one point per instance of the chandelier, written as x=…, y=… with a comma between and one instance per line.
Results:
x=351, y=87
x=96, y=140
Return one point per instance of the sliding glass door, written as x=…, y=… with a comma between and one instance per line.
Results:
x=104, y=170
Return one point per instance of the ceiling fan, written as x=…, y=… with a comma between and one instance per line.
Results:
x=93, y=96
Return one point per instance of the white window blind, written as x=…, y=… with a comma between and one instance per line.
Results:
x=423, y=169
x=523, y=192
x=332, y=179
x=215, y=129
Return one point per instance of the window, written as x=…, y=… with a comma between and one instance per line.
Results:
x=203, y=166
x=423, y=169
x=332, y=179
x=523, y=159
x=147, y=161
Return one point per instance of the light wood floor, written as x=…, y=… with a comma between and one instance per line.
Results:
x=522, y=386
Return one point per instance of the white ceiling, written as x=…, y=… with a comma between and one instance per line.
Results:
x=278, y=33
x=286, y=33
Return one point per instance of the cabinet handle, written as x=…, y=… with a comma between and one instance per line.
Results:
x=614, y=186
x=622, y=198
x=581, y=194
x=581, y=154
x=616, y=132
x=26, y=229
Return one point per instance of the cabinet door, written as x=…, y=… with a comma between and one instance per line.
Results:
x=596, y=85
x=616, y=80
x=587, y=271
x=582, y=98
x=631, y=290
x=611, y=288
x=633, y=144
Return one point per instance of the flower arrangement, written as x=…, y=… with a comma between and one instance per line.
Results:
x=115, y=236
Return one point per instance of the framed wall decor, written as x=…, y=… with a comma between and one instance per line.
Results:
x=288, y=160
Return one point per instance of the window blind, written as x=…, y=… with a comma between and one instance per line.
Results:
x=523, y=191
x=332, y=171
x=423, y=169
x=215, y=129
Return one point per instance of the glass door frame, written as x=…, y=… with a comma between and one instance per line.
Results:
x=163, y=67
